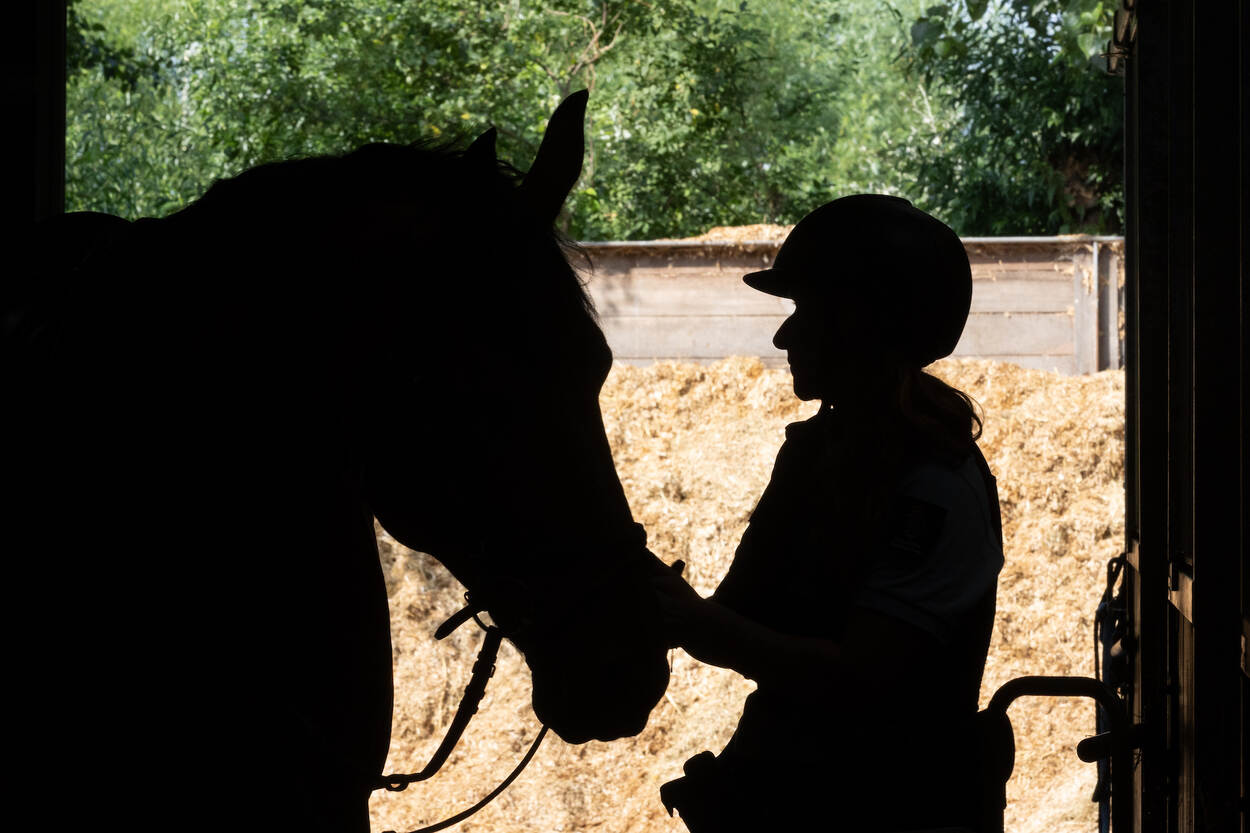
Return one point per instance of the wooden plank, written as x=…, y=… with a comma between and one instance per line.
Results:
x=1148, y=488
x=1037, y=253
x=773, y=362
x=1085, y=323
x=1053, y=364
x=678, y=271
x=706, y=336
x=1110, y=308
x=1040, y=253
x=997, y=273
x=651, y=294
x=678, y=263
x=1017, y=334
x=1054, y=265
x=1221, y=586
x=1057, y=270
x=714, y=336
x=1022, y=296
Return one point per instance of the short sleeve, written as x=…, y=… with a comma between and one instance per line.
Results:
x=939, y=553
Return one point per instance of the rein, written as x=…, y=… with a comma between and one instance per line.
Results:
x=483, y=670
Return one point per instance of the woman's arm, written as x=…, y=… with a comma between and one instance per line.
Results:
x=877, y=653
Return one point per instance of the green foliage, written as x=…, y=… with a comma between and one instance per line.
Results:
x=88, y=47
x=133, y=145
x=709, y=126
x=252, y=81
x=746, y=113
x=1027, y=136
x=702, y=112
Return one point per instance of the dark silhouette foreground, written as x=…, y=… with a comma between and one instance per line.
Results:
x=861, y=598
x=207, y=412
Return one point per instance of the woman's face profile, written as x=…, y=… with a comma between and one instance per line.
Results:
x=831, y=353
x=814, y=350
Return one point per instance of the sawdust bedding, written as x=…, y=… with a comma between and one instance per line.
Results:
x=756, y=233
x=694, y=446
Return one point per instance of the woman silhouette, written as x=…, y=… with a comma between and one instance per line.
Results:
x=861, y=597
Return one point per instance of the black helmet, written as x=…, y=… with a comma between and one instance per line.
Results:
x=889, y=263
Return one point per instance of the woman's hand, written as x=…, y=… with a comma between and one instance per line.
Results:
x=706, y=630
x=716, y=635
x=680, y=605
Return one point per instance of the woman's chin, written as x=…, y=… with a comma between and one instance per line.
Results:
x=804, y=391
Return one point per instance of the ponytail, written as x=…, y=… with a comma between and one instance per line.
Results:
x=947, y=418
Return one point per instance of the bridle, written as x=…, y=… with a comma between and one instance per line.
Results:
x=483, y=670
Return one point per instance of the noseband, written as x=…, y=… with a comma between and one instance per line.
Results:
x=483, y=670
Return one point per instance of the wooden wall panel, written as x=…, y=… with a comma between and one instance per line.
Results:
x=649, y=294
x=1037, y=304
x=654, y=293
x=710, y=337
x=694, y=337
x=1016, y=334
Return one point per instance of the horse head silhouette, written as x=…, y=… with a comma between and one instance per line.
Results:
x=519, y=496
x=217, y=404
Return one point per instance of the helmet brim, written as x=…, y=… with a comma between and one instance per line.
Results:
x=771, y=281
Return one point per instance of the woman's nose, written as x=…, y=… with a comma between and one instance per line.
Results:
x=781, y=338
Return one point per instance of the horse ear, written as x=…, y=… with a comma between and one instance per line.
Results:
x=559, y=161
x=482, y=151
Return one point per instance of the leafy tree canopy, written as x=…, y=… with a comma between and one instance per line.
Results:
x=703, y=112
x=1027, y=136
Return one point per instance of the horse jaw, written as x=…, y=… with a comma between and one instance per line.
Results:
x=559, y=161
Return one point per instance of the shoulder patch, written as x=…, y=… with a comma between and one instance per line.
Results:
x=915, y=525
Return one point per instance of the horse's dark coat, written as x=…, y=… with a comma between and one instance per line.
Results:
x=207, y=412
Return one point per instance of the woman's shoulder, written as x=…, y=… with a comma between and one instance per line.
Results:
x=954, y=488
x=943, y=478
x=816, y=425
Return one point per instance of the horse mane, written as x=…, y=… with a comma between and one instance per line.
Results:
x=377, y=173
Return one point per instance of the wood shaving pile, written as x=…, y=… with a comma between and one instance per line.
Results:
x=741, y=234
x=694, y=446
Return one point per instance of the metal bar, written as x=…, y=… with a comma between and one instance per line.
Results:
x=1122, y=798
